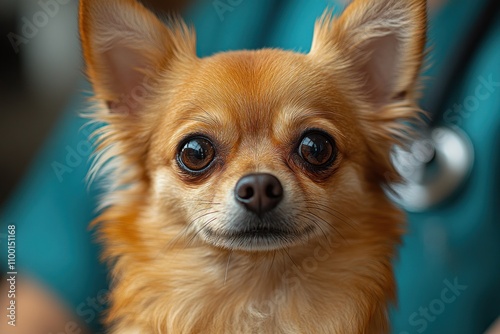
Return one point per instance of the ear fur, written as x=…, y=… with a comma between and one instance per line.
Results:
x=125, y=45
x=380, y=45
x=384, y=40
x=129, y=55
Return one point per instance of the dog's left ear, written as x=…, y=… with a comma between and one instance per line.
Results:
x=380, y=42
x=126, y=46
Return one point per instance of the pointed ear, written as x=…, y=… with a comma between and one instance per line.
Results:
x=376, y=47
x=125, y=47
x=383, y=43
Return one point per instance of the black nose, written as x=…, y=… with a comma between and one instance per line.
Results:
x=259, y=193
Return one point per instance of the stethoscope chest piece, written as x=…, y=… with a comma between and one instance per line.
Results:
x=433, y=169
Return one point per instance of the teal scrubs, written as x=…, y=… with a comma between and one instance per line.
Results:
x=449, y=267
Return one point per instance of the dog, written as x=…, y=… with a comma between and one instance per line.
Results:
x=245, y=190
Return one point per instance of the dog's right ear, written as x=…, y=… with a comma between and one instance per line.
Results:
x=124, y=45
x=380, y=43
x=378, y=48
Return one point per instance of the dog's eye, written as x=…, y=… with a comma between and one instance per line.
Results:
x=196, y=154
x=317, y=149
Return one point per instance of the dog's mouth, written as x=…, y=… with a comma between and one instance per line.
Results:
x=257, y=238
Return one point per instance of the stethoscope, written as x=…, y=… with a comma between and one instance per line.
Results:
x=435, y=167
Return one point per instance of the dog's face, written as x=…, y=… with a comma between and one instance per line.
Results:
x=258, y=150
x=261, y=153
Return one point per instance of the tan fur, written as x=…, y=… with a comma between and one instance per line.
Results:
x=167, y=276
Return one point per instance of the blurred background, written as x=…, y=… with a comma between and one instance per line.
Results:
x=37, y=77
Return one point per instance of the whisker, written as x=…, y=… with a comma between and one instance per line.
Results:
x=334, y=214
x=227, y=266
x=172, y=243
x=284, y=262
x=315, y=223
x=272, y=261
x=347, y=220
x=326, y=222
x=204, y=215
x=287, y=253
x=190, y=217
x=197, y=201
x=184, y=231
x=208, y=222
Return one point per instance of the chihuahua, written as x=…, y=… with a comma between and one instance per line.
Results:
x=246, y=190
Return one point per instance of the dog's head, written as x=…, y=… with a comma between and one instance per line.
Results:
x=256, y=150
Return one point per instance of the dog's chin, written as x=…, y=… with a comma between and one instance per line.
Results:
x=257, y=239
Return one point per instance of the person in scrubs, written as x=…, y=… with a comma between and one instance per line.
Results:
x=448, y=270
